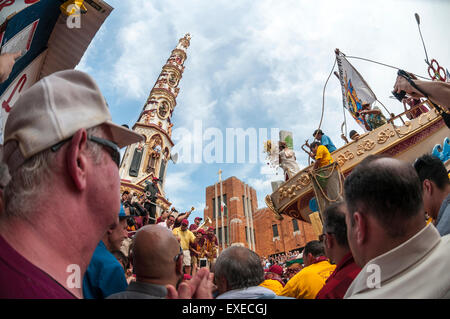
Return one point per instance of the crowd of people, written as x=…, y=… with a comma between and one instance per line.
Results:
x=281, y=259
x=64, y=230
x=198, y=243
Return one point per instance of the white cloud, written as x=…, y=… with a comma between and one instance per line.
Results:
x=178, y=183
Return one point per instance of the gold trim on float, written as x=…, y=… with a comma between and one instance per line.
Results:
x=269, y=204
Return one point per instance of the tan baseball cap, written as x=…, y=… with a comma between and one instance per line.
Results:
x=52, y=110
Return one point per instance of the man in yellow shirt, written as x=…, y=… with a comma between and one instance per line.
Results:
x=273, y=285
x=326, y=184
x=273, y=280
x=307, y=283
x=321, y=154
x=185, y=237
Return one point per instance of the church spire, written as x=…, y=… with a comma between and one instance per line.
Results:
x=162, y=99
x=149, y=159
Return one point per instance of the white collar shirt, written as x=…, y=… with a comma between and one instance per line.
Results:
x=418, y=268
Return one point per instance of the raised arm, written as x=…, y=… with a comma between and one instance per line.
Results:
x=437, y=91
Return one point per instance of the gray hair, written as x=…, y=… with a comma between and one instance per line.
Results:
x=34, y=177
x=240, y=266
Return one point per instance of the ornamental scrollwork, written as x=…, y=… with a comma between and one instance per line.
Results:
x=288, y=192
x=283, y=193
x=383, y=136
x=346, y=156
x=428, y=115
x=269, y=203
x=401, y=134
x=367, y=145
x=304, y=180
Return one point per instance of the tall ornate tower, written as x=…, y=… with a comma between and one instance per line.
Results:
x=148, y=159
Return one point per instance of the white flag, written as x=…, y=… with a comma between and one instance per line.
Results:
x=355, y=91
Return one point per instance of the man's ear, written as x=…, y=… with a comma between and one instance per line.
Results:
x=330, y=241
x=427, y=186
x=308, y=258
x=76, y=159
x=360, y=227
x=179, y=265
x=222, y=284
x=111, y=227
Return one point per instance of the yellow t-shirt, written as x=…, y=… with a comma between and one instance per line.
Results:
x=186, y=237
x=323, y=156
x=307, y=283
x=273, y=285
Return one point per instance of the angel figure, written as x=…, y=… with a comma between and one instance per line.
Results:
x=288, y=161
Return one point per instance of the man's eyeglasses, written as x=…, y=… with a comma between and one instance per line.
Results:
x=175, y=259
x=114, y=150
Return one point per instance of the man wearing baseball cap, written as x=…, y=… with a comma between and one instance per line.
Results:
x=196, y=249
x=273, y=279
x=194, y=227
x=211, y=246
x=62, y=152
x=185, y=237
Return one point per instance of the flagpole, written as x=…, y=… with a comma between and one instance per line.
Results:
x=216, y=211
x=222, y=212
x=252, y=236
x=249, y=241
x=228, y=226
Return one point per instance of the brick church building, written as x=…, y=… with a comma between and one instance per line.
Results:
x=232, y=207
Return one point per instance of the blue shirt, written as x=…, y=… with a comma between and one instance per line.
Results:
x=104, y=276
x=313, y=205
x=443, y=219
x=326, y=141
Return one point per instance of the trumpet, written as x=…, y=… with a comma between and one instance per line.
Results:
x=207, y=221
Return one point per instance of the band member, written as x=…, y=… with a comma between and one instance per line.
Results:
x=210, y=246
x=196, y=248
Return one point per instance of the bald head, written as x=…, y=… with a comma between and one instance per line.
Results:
x=386, y=188
x=154, y=248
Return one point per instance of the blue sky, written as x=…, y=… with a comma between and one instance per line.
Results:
x=257, y=64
